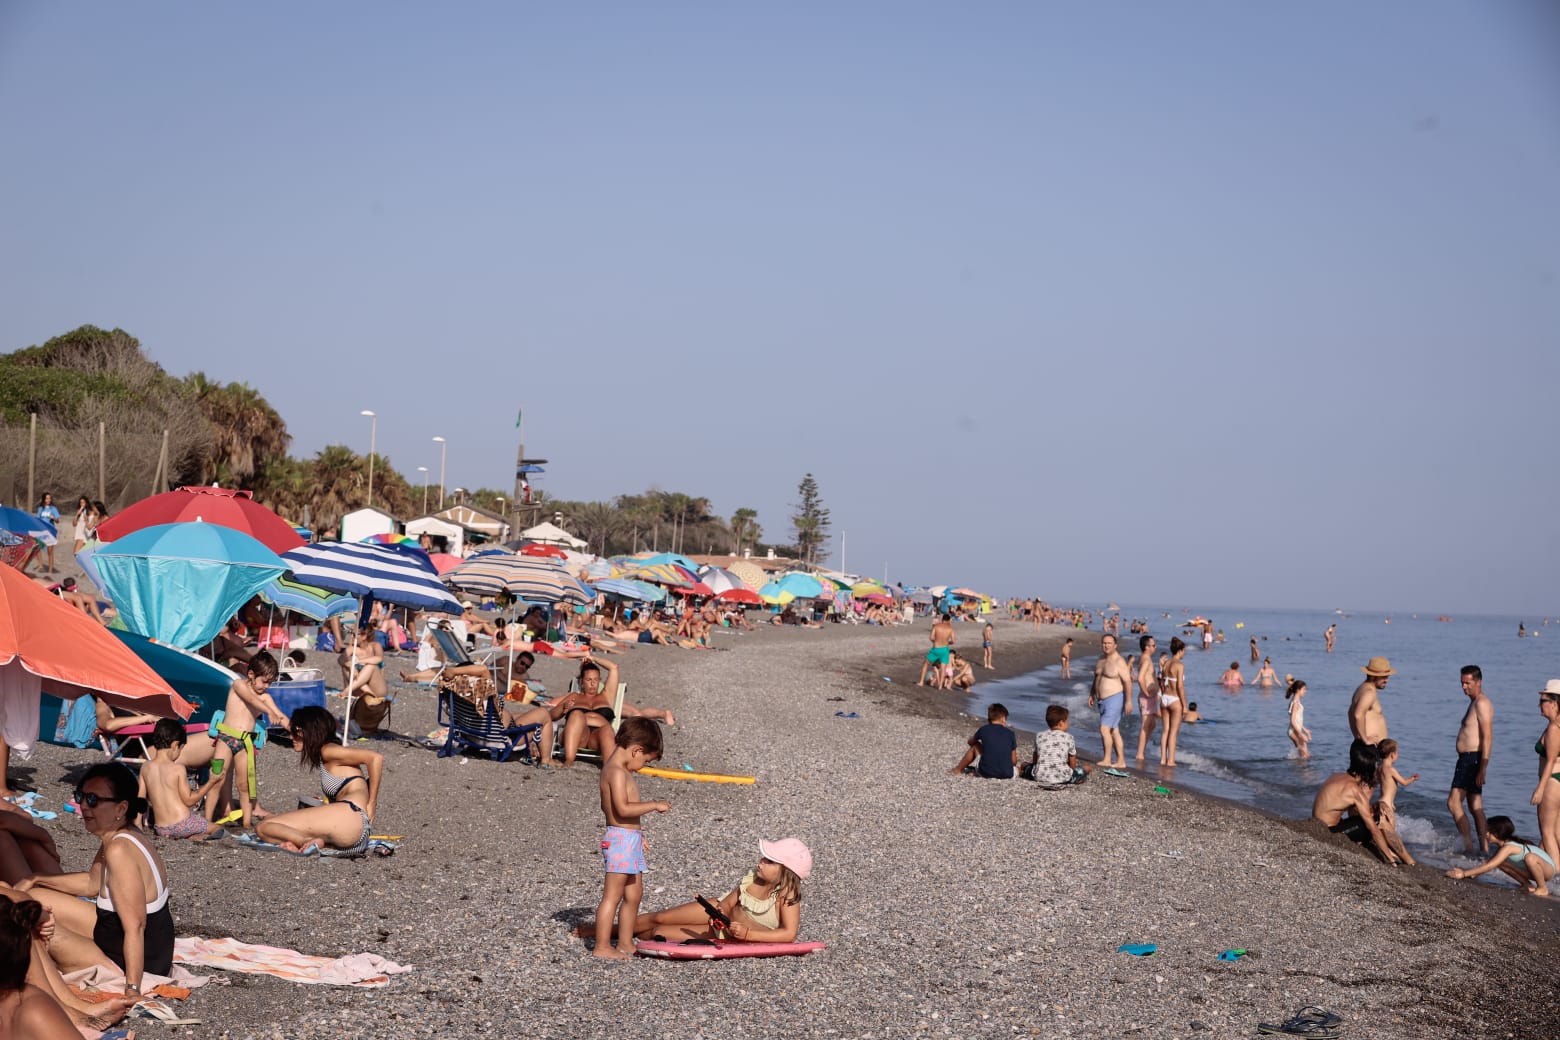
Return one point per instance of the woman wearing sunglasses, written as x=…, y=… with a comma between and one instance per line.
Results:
x=130, y=927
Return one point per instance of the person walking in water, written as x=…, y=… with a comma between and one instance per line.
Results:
x=1366, y=719
x=1256, y=655
x=1475, y=736
x=1330, y=635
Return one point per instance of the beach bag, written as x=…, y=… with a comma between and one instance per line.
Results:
x=370, y=712
x=326, y=643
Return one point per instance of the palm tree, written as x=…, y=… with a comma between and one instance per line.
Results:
x=596, y=522
x=340, y=478
x=742, y=523
x=246, y=431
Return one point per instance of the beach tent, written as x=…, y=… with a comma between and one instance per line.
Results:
x=552, y=534
x=360, y=523
x=454, y=535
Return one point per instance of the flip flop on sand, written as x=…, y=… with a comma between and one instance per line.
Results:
x=1138, y=949
x=1310, y=1021
x=1114, y=772
x=161, y=1012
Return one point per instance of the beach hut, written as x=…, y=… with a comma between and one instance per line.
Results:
x=453, y=534
x=483, y=525
x=361, y=523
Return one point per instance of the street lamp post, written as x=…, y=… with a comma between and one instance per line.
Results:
x=424, y=471
x=443, y=445
x=373, y=432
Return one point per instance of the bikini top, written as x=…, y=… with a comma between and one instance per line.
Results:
x=105, y=899
x=764, y=912
x=332, y=785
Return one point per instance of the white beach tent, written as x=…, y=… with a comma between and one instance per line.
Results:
x=453, y=534
x=552, y=534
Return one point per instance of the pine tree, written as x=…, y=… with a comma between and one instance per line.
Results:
x=811, y=521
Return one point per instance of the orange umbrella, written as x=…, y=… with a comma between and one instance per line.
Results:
x=48, y=638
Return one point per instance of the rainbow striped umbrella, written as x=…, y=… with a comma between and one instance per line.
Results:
x=391, y=539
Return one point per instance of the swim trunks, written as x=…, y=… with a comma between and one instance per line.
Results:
x=623, y=850
x=1148, y=705
x=1465, y=776
x=938, y=655
x=191, y=826
x=1353, y=828
x=1110, y=710
x=646, y=637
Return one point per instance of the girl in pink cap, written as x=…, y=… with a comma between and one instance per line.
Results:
x=766, y=905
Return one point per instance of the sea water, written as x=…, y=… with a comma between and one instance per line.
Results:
x=1243, y=751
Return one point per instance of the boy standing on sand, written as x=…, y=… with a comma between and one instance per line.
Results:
x=623, y=846
x=235, y=742
x=167, y=788
x=997, y=746
x=1474, y=738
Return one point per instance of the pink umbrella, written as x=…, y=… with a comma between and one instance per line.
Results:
x=444, y=562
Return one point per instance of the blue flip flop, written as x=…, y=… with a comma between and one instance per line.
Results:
x=846, y=715
x=1138, y=949
x=1114, y=772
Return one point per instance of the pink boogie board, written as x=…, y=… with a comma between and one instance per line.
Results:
x=689, y=951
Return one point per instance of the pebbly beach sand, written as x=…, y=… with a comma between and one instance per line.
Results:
x=952, y=906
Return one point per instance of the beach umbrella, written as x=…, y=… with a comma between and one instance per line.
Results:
x=802, y=586
x=179, y=583
x=46, y=644
x=532, y=578
x=203, y=682
x=774, y=595
x=751, y=574
x=15, y=548
x=655, y=559
x=627, y=588
x=20, y=532
x=444, y=562
x=662, y=573
x=698, y=588
x=742, y=595
x=224, y=507
x=720, y=580
x=297, y=598
x=965, y=593
x=601, y=569
x=392, y=574
x=538, y=549
x=398, y=574
x=863, y=589
x=391, y=539
x=85, y=560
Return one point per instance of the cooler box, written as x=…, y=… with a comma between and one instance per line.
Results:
x=298, y=693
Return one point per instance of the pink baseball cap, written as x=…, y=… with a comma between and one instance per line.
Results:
x=788, y=852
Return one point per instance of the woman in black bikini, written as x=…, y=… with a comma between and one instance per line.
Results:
x=349, y=779
x=1547, y=794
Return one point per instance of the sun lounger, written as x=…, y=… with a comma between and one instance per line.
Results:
x=591, y=754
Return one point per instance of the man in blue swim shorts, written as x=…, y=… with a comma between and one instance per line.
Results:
x=1110, y=694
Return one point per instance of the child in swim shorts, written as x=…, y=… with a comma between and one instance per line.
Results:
x=166, y=786
x=638, y=744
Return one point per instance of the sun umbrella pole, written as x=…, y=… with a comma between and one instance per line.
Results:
x=365, y=605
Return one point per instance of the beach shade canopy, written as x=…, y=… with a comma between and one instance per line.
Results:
x=539, y=549
x=802, y=586
x=194, y=678
x=48, y=642
x=396, y=574
x=179, y=583
x=297, y=598
x=627, y=588
x=742, y=595
x=534, y=579
x=224, y=507
x=751, y=574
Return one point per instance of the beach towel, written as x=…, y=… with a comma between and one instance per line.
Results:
x=364, y=970
x=112, y=980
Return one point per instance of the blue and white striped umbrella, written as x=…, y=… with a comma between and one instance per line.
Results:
x=535, y=579
x=388, y=573
x=628, y=588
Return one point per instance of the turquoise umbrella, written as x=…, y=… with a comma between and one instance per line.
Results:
x=802, y=586
x=179, y=583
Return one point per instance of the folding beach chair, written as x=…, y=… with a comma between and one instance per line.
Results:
x=590, y=754
x=477, y=727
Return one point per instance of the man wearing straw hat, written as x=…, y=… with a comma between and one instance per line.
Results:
x=1366, y=720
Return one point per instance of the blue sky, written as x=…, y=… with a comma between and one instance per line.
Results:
x=1195, y=302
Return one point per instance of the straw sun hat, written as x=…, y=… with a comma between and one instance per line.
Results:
x=1379, y=666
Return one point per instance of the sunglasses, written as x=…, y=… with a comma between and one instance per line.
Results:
x=92, y=801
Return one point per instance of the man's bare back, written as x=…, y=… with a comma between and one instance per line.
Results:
x=942, y=634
